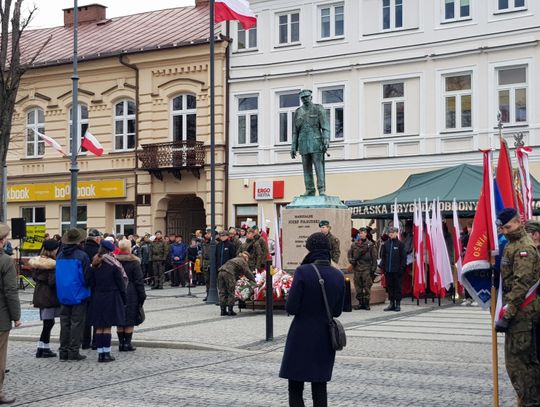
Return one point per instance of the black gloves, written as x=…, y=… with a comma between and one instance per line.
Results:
x=501, y=325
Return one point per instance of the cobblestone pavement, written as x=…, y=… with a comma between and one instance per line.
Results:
x=424, y=356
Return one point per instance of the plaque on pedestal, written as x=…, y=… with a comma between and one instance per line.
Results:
x=301, y=219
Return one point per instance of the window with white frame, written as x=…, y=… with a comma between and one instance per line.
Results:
x=288, y=102
x=332, y=101
x=34, y=215
x=184, y=118
x=512, y=94
x=248, y=119
x=393, y=108
x=456, y=9
x=246, y=39
x=510, y=5
x=35, y=121
x=392, y=14
x=124, y=219
x=332, y=21
x=124, y=125
x=82, y=116
x=458, y=101
x=289, y=28
x=82, y=216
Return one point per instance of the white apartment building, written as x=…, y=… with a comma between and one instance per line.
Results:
x=409, y=86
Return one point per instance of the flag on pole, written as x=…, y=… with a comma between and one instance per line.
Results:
x=434, y=284
x=525, y=181
x=91, y=143
x=483, y=241
x=457, y=240
x=395, y=222
x=529, y=297
x=50, y=142
x=441, y=250
x=235, y=10
x=504, y=177
x=419, y=286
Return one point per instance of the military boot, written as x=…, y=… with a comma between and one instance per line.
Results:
x=391, y=307
x=121, y=341
x=231, y=311
x=224, y=311
x=359, y=306
x=397, y=308
x=366, y=304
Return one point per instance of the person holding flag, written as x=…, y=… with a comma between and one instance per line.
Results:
x=520, y=316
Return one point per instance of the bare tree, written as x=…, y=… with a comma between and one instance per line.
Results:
x=11, y=71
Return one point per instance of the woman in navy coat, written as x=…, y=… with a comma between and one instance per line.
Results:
x=309, y=356
x=108, y=304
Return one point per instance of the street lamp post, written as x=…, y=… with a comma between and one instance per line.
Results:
x=74, y=121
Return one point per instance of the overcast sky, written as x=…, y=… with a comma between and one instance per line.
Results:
x=49, y=13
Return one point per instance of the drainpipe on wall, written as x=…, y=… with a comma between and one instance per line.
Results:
x=227, y=134
x=136, y=69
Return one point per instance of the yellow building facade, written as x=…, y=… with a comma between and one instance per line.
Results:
x=150, y=110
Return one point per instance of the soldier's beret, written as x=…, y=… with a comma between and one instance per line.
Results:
x=254, y=227
x=305, y=92
x=505, y=216
x=324, y=223
x=393, y=229
x=362, y=229
x=4, y=230
x=208, y=230
x=532, y=226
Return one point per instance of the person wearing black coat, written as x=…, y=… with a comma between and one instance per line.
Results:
x=135, y=296
x=108, y=303
x=308, y=355
x=45, y=297
x=393, y=265
x=225, y=249
x=91, y=247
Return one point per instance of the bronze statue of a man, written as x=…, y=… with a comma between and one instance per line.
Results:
x=311, y=138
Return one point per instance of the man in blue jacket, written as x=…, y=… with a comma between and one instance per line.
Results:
x=178, y=253
x=71, y=268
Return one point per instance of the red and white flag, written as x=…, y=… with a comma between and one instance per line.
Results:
x=235, y=10
x=395, y=222
x=50, y=142
x=92, y=144
x=419, y=286
x=434, y=280
x=525, y=180
x=457, y=241
x=440, y=249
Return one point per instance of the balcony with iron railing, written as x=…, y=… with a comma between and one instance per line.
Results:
x=172, y=157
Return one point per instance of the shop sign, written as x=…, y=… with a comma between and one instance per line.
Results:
x=267, y=190
x=35, y=235
x=61, y=191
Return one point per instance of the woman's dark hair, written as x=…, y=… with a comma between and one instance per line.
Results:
x=96, y=261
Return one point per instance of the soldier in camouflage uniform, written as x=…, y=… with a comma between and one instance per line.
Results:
x=228, y=274
x=520, y=271
x=363, y=258
x=264, y=247
x=335, y=251
x=254, y=249
x=159, y=251
x=205, y=259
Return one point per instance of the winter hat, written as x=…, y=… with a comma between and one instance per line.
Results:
x=107, y=245
x=50, y=245
x=505, y=216
x=109, y=239
x=317, y=241
x=4, y=230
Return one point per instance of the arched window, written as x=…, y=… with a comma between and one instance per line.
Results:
x=184, y=118
x=124, y=125
x=82, y=125
x=35, y=121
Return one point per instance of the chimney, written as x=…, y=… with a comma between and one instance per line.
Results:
x=91, y=13
x=201, y=3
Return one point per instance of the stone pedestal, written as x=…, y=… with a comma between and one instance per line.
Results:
x=301, y=218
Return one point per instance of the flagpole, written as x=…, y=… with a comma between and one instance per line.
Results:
x=74, y=121
x=212, y=297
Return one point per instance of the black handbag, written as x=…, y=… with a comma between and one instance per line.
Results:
x=141, y=316
x=337, y=332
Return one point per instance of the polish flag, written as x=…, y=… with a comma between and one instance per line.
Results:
x=235, y=10
x=418, y=241
x=434, y=281
x=92, y=144
x=525, y=178
x=395, y=222
x=50, y=142
x=457, y=241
